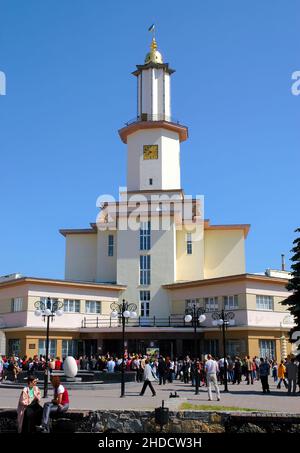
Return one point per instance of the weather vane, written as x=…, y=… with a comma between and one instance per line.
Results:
x=152, y=29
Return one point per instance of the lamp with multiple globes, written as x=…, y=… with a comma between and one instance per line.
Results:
x=123, y=311
x=48, y=309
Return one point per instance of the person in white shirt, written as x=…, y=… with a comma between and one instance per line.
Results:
x=211, y=369
x=149, y=377
x=111, y=365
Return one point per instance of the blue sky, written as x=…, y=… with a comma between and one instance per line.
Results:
x=68, y=65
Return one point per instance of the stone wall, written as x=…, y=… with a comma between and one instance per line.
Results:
x=180, y=422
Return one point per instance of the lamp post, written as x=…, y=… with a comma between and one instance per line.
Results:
x=223, y=319
x=195, y=315
x=124, y=311
x=48, y=310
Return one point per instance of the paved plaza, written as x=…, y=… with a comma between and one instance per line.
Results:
x=108, y=397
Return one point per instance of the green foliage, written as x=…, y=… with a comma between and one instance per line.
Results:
x=293, y=301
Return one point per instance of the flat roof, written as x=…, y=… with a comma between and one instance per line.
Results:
x=59, y=282
x=207, y=226
x=228, y=278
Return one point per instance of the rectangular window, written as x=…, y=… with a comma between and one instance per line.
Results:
x=145, y=304
x=145, y=236
x=69, y=347
x=71, y=306
x=235, y=348
x=14, y=347
x=211, y=347
x=231, y=302
x=145, y=278
x=189, y=246
x=47, y=302
x=190, y=302
x=52, y=348
x=211, y=303
x=110, y=245
x=264, y=302
x=267, y=349
x=17, y=304
x=93, y=307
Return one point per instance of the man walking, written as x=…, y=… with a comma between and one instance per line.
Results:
x=264, y=370
x=211, y=369
x=292, y=375
x=148, y=378
x=249, y=370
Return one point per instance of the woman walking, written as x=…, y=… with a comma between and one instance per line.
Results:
x=281, y=375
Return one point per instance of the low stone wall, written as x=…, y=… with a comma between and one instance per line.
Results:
x=86, y=376
x=130, y=421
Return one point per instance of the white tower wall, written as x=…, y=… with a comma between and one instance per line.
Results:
x=164, y=171
x=154, y=94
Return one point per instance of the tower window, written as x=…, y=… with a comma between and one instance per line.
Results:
x=145, y=303
x=145, y=264
x=110, y=245
x=145, y=236
x=150, y=181
x=189, y=244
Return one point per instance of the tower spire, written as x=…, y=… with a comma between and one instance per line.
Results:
x=154, y=56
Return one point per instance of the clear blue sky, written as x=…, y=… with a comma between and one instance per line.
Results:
x=68, y=65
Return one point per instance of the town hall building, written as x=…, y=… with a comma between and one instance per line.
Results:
x=154, y=248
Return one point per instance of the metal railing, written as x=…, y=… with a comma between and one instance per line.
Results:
x=153, y=321
x=152, y=117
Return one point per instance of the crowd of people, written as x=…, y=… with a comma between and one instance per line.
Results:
x=166, y=369
x=208, y=372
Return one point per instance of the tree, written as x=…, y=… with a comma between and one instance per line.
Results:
x=293, y=301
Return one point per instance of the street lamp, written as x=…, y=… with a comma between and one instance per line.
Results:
x=48, y=309
x=195, y=315
x=223, y=319
x=123, y=310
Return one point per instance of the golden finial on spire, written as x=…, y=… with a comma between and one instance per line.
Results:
x=154, y=56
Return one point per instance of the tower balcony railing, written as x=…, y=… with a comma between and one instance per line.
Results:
x=152, y=117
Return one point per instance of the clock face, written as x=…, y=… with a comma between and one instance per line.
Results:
x=150, y=151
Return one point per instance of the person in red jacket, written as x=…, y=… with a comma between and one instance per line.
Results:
x=60, y=403
x=58, y=363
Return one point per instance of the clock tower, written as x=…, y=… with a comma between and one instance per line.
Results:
x=153, y=138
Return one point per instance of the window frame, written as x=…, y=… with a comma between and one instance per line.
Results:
x=76, y=303
x=227, y=302
x=88, y=302
x=145, y=270
x=145, y=235
x=189, y=244
x=110, y=245
x=52, y=347
x=17, y=304
x=262, y=305
x=145, y=303
x=208, y=301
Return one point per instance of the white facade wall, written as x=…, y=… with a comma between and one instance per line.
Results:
x=163, y=267
x=259, y=318
x=164, y=171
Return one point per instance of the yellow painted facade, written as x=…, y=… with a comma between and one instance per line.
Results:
x=224, y=253
x=189, y=266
